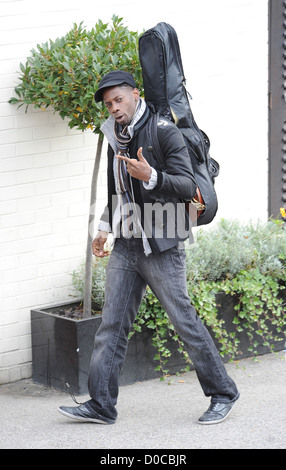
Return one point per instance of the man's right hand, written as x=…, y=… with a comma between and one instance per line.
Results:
x=98, y=245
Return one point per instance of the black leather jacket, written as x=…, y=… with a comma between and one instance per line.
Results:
x=169, y=224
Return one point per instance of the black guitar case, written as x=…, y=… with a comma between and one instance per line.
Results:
x=165, y=93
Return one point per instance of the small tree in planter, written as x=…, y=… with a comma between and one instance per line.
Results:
x=64, y=74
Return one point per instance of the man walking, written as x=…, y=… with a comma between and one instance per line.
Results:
x=147, y=251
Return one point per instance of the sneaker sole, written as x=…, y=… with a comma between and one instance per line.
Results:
x=84, y=420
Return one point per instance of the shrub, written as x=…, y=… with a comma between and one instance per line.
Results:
x=98, y=283
x=222, y=252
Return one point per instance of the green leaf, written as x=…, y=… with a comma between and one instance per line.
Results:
x=13, y=100
x=66, y=65
x=22, y=67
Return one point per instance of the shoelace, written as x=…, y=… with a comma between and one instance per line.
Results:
x=72, y=395
x=214, y=406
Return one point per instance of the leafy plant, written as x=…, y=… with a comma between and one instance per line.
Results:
x=64, y=75
x=246, y=262
x=260, y=307
x=98, y=283
x=228, y=248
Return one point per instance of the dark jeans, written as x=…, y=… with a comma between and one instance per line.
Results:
x=128, y=273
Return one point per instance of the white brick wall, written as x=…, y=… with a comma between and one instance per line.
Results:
x=46, y=168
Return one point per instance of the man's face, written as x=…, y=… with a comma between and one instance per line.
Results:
x=121, y=103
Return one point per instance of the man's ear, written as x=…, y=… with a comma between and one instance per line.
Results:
x=136, y=94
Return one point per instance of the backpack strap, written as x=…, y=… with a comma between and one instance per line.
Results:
x=153, y=131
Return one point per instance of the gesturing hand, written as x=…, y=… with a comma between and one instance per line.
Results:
x=140, y=168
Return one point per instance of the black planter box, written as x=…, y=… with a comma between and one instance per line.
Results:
x=62, y=348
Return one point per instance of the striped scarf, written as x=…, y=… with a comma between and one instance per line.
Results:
x=124, y=183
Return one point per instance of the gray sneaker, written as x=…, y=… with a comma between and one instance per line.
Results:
x=216, y=413
x=84, y=413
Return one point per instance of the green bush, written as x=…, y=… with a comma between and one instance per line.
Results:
x=64, y=74
x=98, y=283
x=244, y=261
x=222, y=252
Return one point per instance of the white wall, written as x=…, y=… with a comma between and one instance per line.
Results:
x=46, y=168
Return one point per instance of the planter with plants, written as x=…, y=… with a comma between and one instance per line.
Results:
x=236, y=279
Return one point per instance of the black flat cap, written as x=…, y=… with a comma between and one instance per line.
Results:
x=114, y=78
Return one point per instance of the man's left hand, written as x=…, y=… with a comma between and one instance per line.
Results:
x=140, y=168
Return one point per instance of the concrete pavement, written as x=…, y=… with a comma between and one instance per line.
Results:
x=154, y=414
